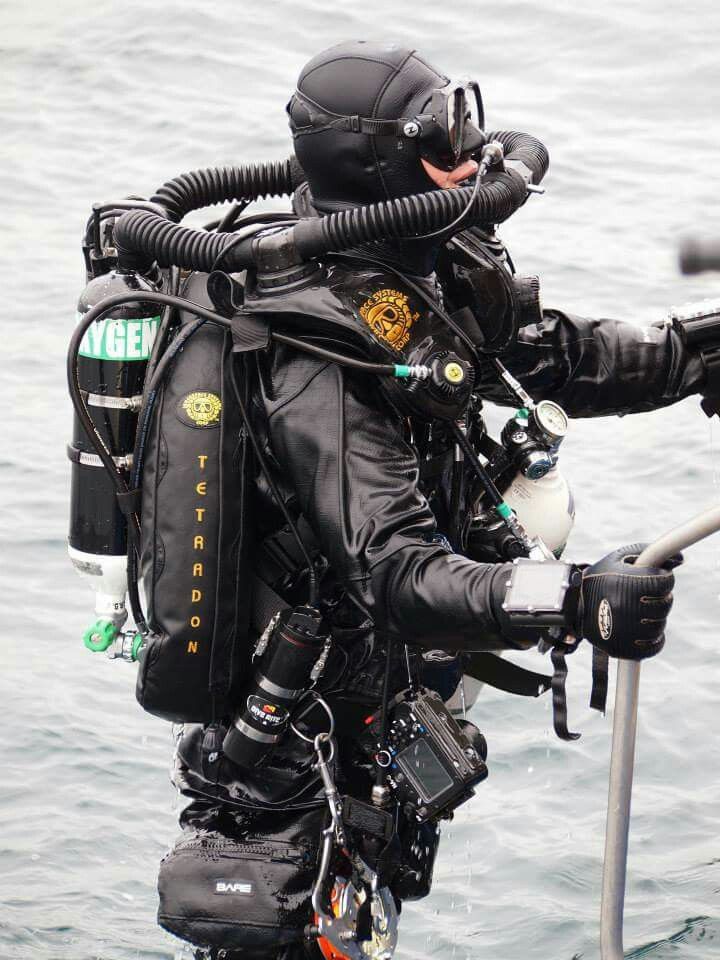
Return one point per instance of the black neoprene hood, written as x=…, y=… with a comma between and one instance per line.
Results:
x=369, y=79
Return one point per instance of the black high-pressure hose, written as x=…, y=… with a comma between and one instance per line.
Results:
x=144, y=233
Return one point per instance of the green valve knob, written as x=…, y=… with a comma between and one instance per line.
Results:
x=504, y=510
x=100, y=635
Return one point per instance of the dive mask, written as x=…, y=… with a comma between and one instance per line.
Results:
x=453, y=126
x=450, y=126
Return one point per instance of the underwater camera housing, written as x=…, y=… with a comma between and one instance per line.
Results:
x=431, y=763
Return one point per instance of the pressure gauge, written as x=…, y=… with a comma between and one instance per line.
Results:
x=551, y=419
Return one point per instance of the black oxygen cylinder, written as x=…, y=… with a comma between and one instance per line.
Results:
x=112, y=362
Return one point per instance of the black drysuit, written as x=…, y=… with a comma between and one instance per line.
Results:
x=349, y=461
x=352, y=464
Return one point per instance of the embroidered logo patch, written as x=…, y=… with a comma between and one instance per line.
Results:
x=201, y=409
x=389, y=316
x=605, y=619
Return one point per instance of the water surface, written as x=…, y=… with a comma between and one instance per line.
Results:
x=100, y=101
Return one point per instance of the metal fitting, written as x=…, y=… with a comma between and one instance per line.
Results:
x=380, y=795
x=126, y=646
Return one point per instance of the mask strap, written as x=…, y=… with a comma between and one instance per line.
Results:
x=322, y=119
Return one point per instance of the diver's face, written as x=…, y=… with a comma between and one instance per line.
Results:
x=449, y=179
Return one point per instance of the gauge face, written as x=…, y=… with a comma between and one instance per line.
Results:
x=551, y=418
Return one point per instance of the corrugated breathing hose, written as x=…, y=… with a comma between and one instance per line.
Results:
x=144, y=234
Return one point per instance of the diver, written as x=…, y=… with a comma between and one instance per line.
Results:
x=379, y=498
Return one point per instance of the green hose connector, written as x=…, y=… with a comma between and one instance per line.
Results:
x=504, y=510
x=100, y=635
x=418, y=371
x=522, y=414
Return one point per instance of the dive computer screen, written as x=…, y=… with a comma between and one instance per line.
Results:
x=537, y=586
x=424, y=770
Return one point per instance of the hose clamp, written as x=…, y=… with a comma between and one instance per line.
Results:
x=114, y=403
x=93, y=460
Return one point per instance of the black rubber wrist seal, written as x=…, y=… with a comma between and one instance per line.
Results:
x=698, y=326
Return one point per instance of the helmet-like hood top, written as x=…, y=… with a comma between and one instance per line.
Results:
x=376, y=81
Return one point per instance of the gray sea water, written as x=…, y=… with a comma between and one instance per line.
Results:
x=101, y=100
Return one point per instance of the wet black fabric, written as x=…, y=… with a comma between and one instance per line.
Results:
x=355, y=478
x=264, y=829
x=237, y=892
x=353, y=469
x=347, y=461
x=598, y=367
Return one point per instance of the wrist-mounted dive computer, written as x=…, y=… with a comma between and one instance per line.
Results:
x=542, y=593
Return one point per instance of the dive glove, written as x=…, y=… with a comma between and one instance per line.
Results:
x=623, y=609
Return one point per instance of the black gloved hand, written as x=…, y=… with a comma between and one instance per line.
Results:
x=623, y=609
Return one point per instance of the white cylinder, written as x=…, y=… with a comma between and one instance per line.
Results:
x=107, y=575
x=544, y=507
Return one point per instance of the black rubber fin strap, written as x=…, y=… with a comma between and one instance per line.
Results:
x=559, y=700
x=600, y=670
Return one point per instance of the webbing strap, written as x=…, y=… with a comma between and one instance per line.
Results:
x=129, y=501
x=600, y=670
x=505, y=675
x=279, y=555
x=559, y=696
x=266, y=603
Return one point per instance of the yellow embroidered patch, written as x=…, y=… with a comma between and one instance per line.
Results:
x=389, y=316
x=202, y=408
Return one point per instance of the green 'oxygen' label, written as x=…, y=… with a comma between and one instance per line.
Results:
x=111, y=339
